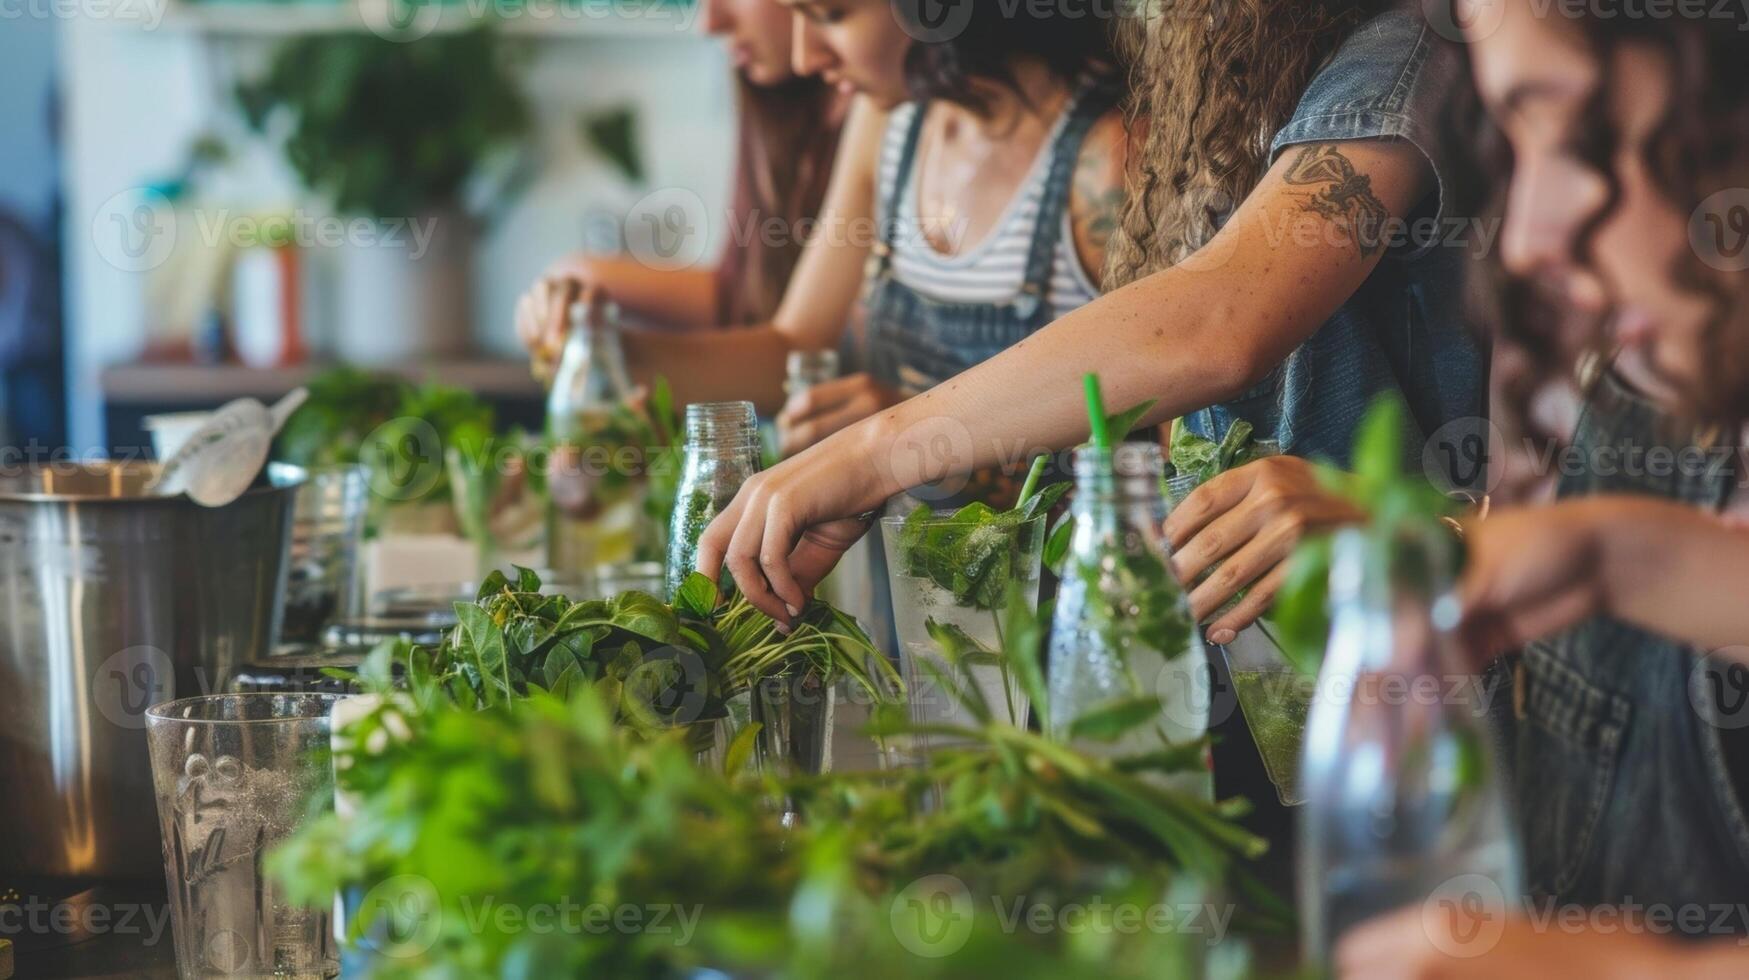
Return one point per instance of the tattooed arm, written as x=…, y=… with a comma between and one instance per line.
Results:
x=1096, y=198
x=1333, y=190
x=1196, y=334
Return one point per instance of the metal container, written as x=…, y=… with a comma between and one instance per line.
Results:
x=112, y=601
x=322, y=586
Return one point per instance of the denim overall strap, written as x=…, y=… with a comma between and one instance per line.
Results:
x=889, y=226
x=1623, y=783
x=1059, y=183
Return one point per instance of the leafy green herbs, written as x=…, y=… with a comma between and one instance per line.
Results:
x=400, y=430
x=975, y=553
x=1194, y=456
x=1009, y=809
x=345, y=406
x=660, y=666
x=542, y=803
x=1393, y=498
x=1136, y=603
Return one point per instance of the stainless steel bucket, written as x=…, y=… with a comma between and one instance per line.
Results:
x=110, y=602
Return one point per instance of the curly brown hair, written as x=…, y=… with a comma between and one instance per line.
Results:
x=1212, y=81
x=1700, y=146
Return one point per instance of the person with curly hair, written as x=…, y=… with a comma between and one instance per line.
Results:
x=1617, y=149
x=1283, y=258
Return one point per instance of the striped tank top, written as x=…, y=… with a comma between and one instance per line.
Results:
x=992, y=270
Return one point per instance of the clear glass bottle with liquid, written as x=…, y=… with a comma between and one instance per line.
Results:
x=593, y=514
x=805, y=369
x=1122, y=627
x=1405, y=804
x=722, y=452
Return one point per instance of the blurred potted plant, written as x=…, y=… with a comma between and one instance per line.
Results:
x=421, y=138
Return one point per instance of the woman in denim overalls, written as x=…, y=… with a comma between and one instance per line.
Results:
x=915, y=340
x=1629, y=143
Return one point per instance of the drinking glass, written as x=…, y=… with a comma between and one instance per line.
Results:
x=327, y=528
x=1273, y=695
x=922, y=599
x=234, y=775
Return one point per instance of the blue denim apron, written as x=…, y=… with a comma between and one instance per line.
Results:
x=1620, y=746
x=915, y=342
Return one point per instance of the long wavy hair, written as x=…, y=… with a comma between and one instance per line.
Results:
x=788, y=137
x=1211, y=83
x=1700, y=146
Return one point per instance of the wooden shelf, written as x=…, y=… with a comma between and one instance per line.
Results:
x=557, y=19
x=145, y=385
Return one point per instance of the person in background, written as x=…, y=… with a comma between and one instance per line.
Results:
x=785, y=142
x=1266, y=273
x=1628, y=143
x=982, y=175
x=32, y=389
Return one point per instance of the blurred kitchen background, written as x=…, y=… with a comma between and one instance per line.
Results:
x=207, y=200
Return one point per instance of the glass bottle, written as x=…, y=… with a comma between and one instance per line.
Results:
x=1404, y=802
x=806, y=368
x=593, y=513
x=1122, y=627
x=722, y=451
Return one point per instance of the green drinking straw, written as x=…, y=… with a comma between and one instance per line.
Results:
x=1096, y=412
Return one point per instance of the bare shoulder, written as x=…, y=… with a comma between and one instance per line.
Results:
x=1096, y=198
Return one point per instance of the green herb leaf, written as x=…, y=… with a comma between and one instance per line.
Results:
x=645, y=615
x=1123, y=423
x=740, y=751
x=697, y=596
x=1110, y=722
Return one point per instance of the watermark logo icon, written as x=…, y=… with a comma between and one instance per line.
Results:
x=1464, y=21
x=405, y=916
x=1465, y=916
x=668, y=229
x=1456, y=457
x=135, y=230
x=1718, y=230
x=405, y=457
x=933, y=456
x=227, y=951
x=932, y=916
x=400, y=20
x=129, y=681
x=1718, y=688
x=933, y=21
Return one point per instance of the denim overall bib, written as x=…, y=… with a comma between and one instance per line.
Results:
x=1621, y=741
x=916, y=342
x=912, y=342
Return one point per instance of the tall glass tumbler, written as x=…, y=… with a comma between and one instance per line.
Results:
x=943, y=579
x=234, y=774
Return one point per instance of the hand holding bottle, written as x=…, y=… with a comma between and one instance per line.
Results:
x=543, y=316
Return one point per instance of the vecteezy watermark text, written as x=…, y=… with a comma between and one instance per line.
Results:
x=34, y=916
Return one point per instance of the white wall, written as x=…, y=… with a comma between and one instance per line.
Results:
x=136, y=96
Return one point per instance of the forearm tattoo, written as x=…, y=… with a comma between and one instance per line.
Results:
x=1338, y=193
